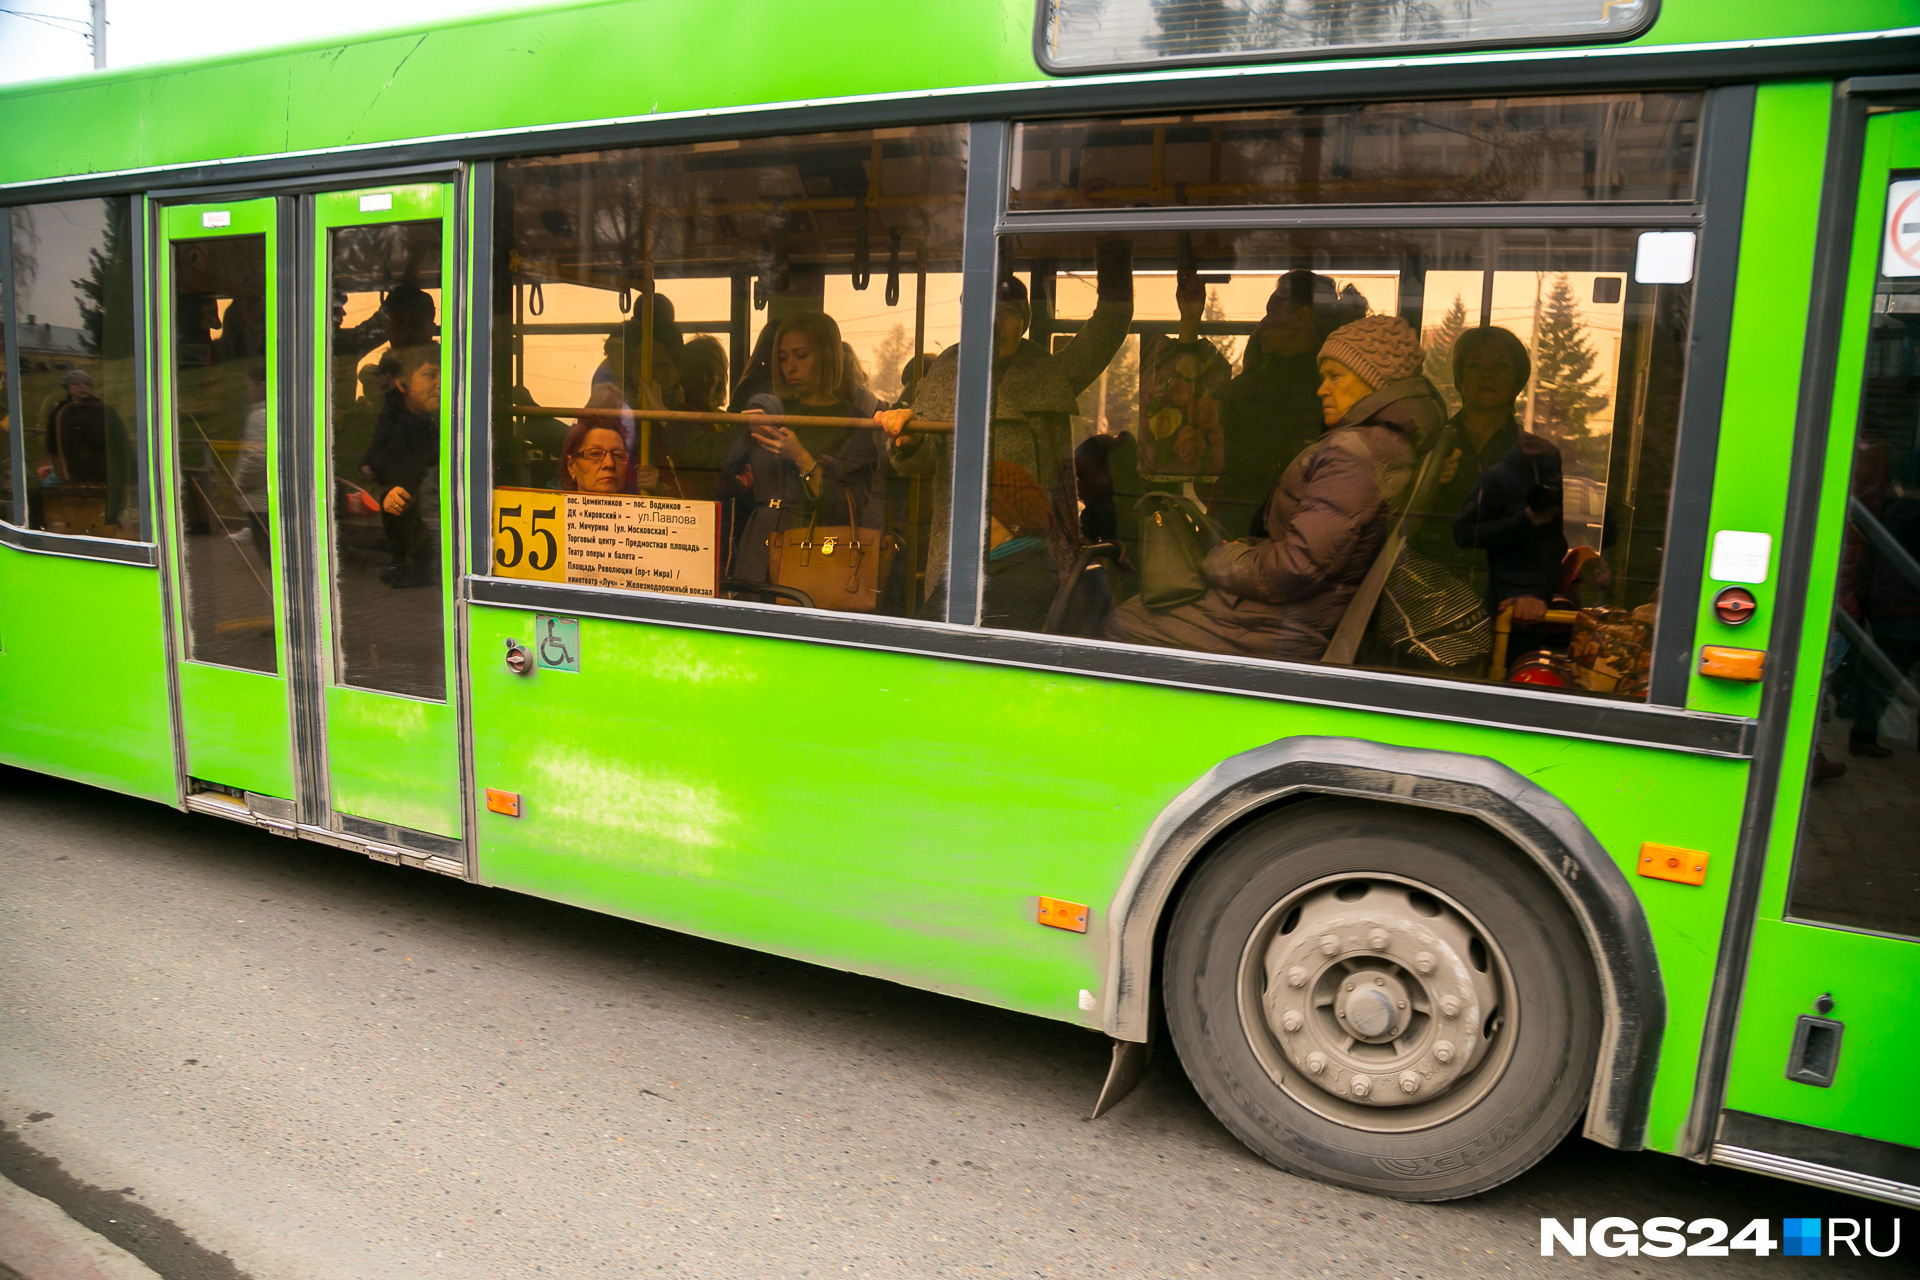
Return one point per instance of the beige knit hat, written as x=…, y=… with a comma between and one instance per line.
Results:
x=1381, y=349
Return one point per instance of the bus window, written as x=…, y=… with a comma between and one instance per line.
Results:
x=691, y=343
x=383, y=349
x=219, y=316
x=1085, y=35
x=1491, y=506
x=73, y=301
x=1599, y=147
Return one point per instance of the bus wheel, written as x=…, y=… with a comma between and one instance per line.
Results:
x=1389, y=999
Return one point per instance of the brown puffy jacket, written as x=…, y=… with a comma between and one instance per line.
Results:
x=1282, y=596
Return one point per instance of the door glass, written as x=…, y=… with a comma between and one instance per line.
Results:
x=221, y=429
x=383, y=398
x=1856, y=864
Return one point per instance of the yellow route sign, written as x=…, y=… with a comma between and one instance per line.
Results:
x=634, y=542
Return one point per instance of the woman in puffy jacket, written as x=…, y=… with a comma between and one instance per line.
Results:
x=1282, y=596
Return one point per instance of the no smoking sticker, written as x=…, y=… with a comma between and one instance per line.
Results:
x=1900, y=246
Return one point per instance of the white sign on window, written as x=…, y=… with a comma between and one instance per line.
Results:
x=216, y=218
x=1740, y=557
x=1664, y=257
x=1900, y=246
x=377, y=203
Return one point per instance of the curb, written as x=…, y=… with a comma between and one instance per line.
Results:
x=40, y=1242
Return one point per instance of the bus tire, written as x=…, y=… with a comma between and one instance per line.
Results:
x=1385, y=998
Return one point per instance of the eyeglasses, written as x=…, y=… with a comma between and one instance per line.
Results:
x=598, y=456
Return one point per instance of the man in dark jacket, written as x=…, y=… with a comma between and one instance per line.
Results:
x=404, y=461
x=1513, y=514
x=1272, y=409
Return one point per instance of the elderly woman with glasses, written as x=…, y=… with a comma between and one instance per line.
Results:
x=595, y=459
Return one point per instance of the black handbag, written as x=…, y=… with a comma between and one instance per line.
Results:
x=1175, y=537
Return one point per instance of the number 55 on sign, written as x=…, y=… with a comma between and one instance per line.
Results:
x=530, y=534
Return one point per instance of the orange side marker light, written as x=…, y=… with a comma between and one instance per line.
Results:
x=1726, y=663
x=1670, y=862
x=1056, y=914
x=507, y=802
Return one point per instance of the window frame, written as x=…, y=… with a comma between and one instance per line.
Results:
x=14, y=530
x=1281, y=57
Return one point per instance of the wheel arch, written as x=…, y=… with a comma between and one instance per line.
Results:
x=1632, y=995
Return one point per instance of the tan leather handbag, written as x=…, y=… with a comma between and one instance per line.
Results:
x=840, y=567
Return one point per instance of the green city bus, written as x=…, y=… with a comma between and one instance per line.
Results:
x=1367, y=544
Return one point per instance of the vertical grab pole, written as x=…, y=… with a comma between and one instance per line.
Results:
x=646, y=315
x=916, y=485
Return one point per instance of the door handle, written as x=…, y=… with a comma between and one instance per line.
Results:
x=519, y=661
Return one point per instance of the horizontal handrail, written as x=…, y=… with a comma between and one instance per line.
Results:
x=701, y=415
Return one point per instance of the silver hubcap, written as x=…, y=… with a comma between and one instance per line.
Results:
x=1375, y=1001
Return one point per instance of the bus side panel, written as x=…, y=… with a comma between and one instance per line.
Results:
x=1875, y=987
x=897, y=815
x=83, y=673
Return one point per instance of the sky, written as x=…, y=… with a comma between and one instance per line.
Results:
x=45, y=38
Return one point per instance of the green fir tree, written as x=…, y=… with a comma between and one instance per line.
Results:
x=1438, y=341
x=1564, y=380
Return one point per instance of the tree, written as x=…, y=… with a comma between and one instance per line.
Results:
x=1214, y=311
x=26, y=252
x=1564, y=377
x=889, y=359
x=1439, y=341
x=106, y=292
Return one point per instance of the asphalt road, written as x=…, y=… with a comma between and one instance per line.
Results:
x=251, y=1057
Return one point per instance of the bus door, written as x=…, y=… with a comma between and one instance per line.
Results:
x=312, y=502
x=382, y=485
x=1827, y=1030
x=223, y=393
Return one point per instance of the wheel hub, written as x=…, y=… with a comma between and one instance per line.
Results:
x=1378, y=994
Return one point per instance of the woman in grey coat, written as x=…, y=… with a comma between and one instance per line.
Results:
x=1034, y=397
x=1282, y=596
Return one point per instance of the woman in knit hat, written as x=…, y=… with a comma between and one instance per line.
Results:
x=1281, y=596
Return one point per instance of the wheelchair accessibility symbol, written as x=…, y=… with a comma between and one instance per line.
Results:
x=556, y=644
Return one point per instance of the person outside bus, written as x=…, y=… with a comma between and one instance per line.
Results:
x=86, y=442
x=1282, y=596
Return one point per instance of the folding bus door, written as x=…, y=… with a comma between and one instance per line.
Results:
x=220, y=388
x=382, y=490
x=1822, y=1062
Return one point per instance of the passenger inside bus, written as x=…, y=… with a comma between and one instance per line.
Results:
x=802, y=476
x=404, y=460
x=1472, y=529
x=622, y=382
x=595, y=459
x=692, y=455
x=1035, y=394
x=1272, y=408
x=1281, y=596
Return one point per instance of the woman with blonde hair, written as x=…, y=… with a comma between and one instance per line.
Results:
x=794, y=473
